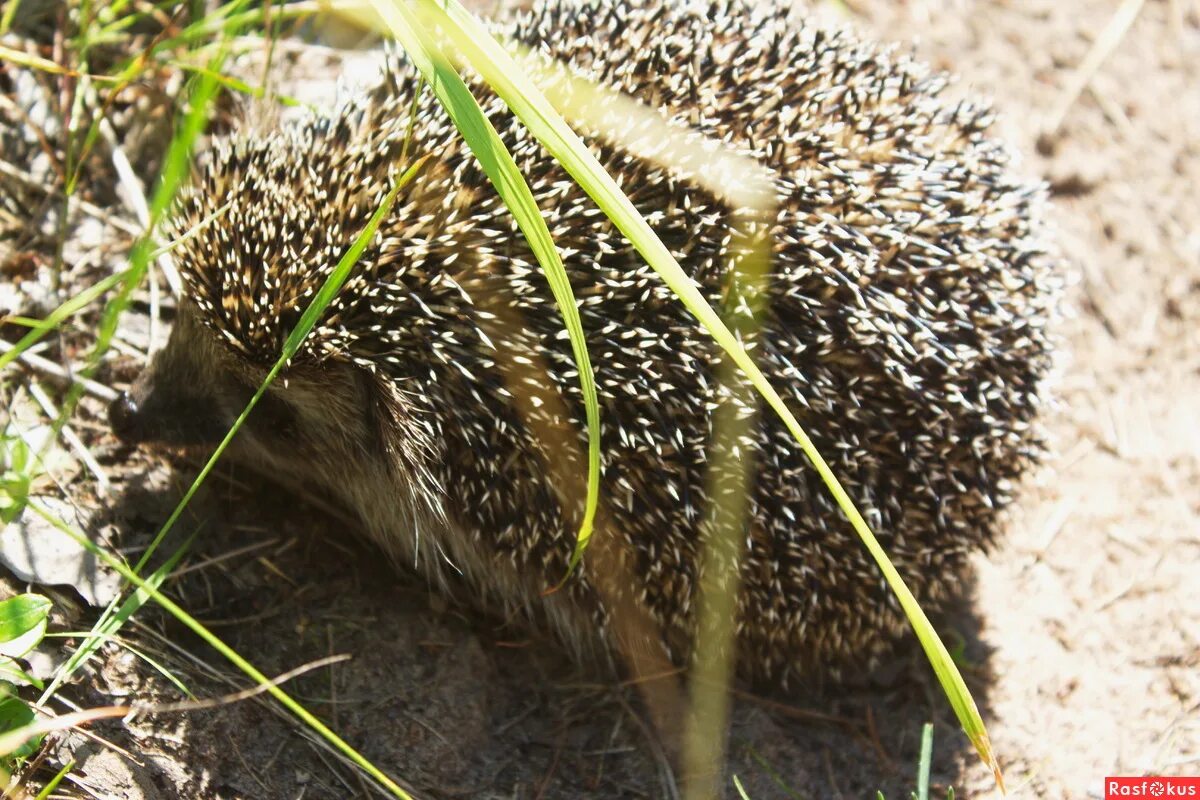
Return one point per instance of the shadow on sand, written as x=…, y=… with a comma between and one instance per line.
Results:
x=450, y=702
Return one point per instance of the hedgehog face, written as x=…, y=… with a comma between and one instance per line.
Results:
x=185, y=397
x=260, y=228
x=196, y=387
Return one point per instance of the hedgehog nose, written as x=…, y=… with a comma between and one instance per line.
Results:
x=122, y=416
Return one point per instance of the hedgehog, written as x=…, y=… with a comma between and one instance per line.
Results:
x=906, y=312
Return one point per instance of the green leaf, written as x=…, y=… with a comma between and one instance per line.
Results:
x=15, y=477
x=11, y=671
x=15, y=713
x=22, y=623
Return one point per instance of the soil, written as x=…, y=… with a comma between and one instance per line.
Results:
x=1081, y=637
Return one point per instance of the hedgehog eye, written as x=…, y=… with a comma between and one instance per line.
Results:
x=276, y=416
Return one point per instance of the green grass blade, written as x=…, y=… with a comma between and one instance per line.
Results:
x=61, y=314
x=230, y=82
x=325, y=294
x=49, y=788
x=174, y=168
x=228, y=652
x=496, y=161
x=10, y=13
x=23, y=59
x=145, y=589
x=124, y=644
x=508, y=80
x=307, y=320
x=925, y=762
x=111, y=622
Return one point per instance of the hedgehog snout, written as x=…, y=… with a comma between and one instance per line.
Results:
x=166, y=408
x=166, y=417
x=123, y=418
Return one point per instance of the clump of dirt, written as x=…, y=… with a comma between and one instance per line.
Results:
x=1081, y=637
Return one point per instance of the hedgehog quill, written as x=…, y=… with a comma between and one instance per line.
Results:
x=906, y=322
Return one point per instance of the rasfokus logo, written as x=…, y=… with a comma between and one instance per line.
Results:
x=1151, y=787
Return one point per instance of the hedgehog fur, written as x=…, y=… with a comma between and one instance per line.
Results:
x=906, y=326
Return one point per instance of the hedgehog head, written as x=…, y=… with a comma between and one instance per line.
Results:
x=259, y=230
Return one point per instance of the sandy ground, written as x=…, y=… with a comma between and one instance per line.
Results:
x=1082, y=634
x=1093, y=605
